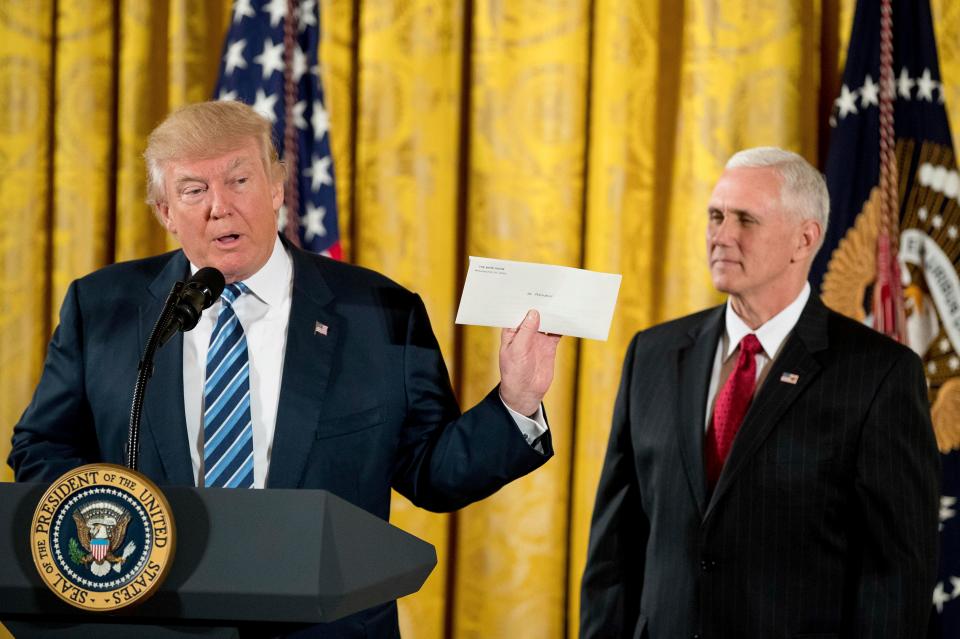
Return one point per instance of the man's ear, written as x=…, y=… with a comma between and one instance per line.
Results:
x=276, y=192
x=162, y=209
x=808, y=240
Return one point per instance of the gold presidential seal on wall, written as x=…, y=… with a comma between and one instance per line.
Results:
x=103, y=537
x=929, y=254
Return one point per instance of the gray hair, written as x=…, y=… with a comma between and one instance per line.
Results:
x=803, y=190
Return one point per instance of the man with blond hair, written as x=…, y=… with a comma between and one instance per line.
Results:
x=771, y=472
x=333, y=378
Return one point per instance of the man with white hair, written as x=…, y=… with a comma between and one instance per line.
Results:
x=771, y=471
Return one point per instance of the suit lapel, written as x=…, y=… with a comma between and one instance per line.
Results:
x=163, y=401
x=694, y=364
x=776, y=396
x=313, y=335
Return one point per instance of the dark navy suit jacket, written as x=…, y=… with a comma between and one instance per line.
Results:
x=364, y=408
x=823, y=522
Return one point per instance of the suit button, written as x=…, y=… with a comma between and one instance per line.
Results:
x=695, y=636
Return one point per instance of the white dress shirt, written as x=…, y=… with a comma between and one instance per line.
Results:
x=264, y=314
x=771, y=335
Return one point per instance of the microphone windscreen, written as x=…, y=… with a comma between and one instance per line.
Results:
x=211, y=282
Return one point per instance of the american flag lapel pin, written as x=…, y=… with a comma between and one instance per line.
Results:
x=320, y=328
x=789, y=378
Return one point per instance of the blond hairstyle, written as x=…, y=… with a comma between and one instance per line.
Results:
x=803, y=191
x=205, y=130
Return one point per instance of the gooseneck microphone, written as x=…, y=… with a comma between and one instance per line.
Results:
x=181, y=312
x=197, y=295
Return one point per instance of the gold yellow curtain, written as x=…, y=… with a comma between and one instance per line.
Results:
x=578, y=132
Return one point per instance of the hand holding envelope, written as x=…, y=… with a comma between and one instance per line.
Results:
x=557, y=300
x=526, y=364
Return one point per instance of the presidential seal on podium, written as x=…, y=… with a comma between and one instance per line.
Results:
x=103, y=537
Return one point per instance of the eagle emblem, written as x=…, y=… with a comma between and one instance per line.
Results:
x=102, y=537
x=930, y=273
x=101, y=527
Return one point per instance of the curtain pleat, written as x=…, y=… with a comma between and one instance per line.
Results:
x=525, y=167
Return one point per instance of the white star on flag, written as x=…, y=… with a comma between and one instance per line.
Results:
x=847, y=102
x=925, y=86
x=242, y=9
x=298, y=119
x=904, y=84
x=869, y=93
x=946, y=508
x=313, y=222
x=320, y=120
x=299, y=63
x=265, y=104
x=277, y=10
x=318, y=172
x=940, y=597
x=307, y=15
x=234, y=58
x=271, y=58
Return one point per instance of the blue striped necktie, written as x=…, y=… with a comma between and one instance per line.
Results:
x=227, y=425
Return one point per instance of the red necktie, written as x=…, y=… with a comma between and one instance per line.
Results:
x=731, y=405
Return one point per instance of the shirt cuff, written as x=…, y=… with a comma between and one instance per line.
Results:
x=532, y=428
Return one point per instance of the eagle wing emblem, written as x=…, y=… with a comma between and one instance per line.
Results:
x=946, y=415
x=119, y=531
x=82, y=531
x=853, y=265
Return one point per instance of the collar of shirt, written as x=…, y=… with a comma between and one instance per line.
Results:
x=772, y=334
x=271, y=283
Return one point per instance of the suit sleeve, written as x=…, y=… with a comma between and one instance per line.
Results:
x=447, y=460
x=55, y=432
x=897, y=489
x=613, y=577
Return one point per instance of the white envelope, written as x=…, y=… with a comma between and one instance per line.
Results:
x=571, y=301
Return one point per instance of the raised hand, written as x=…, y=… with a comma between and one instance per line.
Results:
x=527, y=360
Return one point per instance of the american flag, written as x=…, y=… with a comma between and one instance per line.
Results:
x=270, y=53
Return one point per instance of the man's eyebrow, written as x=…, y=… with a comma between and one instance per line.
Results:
x=183, y=179
x=731, y=211
x=237, y=162
x=186, y=177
